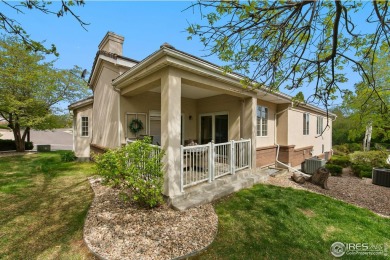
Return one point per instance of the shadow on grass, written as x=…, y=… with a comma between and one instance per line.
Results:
x=45, y=203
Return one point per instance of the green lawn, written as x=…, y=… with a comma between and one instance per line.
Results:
x=43, y=204
x=268, y=222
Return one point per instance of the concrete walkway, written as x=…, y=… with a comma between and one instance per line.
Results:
x=221, y=187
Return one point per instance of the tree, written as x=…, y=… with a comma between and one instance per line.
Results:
x=31, y=89
x=295, y=43
x=13, y=27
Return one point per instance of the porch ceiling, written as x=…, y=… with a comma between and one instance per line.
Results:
x=192, y=92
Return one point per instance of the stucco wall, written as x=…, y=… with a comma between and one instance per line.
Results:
x=222, y=103
x=105, y=108
x=147, y=101
x=81, y=143
x=295, y=131
x=263, y=141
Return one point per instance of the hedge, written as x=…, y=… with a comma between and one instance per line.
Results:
x=9, y=145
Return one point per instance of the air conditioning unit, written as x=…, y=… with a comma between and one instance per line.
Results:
x=312, y=164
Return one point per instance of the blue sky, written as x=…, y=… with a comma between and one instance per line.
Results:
x=145, y=25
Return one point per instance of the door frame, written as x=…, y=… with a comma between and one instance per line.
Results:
x=213, y=114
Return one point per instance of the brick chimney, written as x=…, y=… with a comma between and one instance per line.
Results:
x=112, y=43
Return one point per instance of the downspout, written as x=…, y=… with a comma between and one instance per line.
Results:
x=278, y=146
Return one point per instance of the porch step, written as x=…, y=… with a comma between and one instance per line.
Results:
x=208, y=192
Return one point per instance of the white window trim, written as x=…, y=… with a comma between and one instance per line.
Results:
x=261, y=125
x=81, y=126
x=307, y=132
x=320, y=122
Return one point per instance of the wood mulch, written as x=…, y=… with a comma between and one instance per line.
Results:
x=122, y=230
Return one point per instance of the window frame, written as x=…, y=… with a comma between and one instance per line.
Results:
x=306, y=123
x=260, y=123
x=320, y=124
x=82, y=126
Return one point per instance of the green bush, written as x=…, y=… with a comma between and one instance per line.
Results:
x=363, y=162
x=362, y=170
x=335, y=170
x=9, y=145
x=136, y=169
x=347, y=148
x=67, y=156
x=342, y=161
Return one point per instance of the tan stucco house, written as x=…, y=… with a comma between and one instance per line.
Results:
x=180, y=97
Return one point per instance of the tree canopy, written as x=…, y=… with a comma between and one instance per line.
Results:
x=11, y=26
x=367, y=108
x=296, y=44
x=31, y=88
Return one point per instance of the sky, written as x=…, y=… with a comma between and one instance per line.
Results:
x=145, y=25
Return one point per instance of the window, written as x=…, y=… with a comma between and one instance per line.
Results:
x=84, y=126
x=306, y=124
x=320, y=125
x=262, y=121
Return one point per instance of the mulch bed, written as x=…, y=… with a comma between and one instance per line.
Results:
x=122, y=230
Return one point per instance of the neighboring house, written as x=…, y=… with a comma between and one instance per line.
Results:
x=180, y=97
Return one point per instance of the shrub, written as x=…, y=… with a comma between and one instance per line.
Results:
x=347, y=148
x=335, y=170
x=9, y=145
x=67, y=156
x=136, y=169
x=362, y=170
x=342, y=161
x=363, y=162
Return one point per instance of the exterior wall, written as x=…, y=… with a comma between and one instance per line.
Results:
x=222, y=103
x=106, y=108
x=81, y=143
x=265, y=156
x=282, y=126
x=147, y=101
x=295, y=133
x=290, y=155
x=265, y=141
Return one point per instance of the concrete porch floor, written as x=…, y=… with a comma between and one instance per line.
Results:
x=207, y=192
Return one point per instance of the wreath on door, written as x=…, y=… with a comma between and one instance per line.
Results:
x=135, y=126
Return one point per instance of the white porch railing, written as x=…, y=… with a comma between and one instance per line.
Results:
x=207, y=162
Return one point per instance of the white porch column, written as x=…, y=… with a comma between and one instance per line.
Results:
x=250, y=125
x=170, y=130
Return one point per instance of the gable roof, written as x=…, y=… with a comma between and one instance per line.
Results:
x=108, y=55
x=81, y=103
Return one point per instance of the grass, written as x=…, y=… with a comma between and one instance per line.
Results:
x=268, y=222
x=4, y=126
x=43, y=204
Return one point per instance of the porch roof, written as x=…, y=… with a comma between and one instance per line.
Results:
x=167, y=55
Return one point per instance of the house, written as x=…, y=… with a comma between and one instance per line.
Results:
x=179, y=97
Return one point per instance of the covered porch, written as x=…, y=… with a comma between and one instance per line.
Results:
x=206, y=130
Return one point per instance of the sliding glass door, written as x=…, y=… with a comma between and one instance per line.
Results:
x=214, y=127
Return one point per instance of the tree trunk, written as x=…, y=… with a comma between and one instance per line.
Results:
x=19, y=139
x=320, y=178
x=19, y=142
x=367, y=138
x=300, y=178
